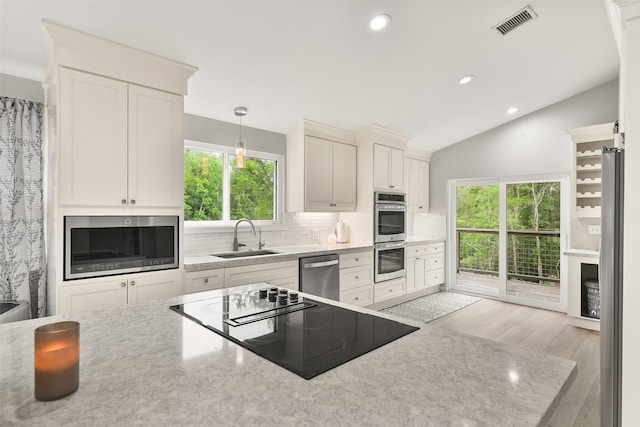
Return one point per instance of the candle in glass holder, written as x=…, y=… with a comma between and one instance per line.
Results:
x=57, y=360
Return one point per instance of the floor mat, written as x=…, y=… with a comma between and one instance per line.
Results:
x=430, y=307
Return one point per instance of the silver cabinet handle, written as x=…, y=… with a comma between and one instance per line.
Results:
x=357, y=298
x=206, y=280
x=133, y=201
x=357, y=259
x=132, y=283
x=123, y=201
x=357, y=277
x=123, y=284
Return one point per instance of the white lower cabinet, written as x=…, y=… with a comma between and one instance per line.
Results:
x=96, y=294
x=416, y=267
x=207, y=280
x=356, y=278
x=389, y=289
x=435, y=264
x=362, y=296
x=284, y=274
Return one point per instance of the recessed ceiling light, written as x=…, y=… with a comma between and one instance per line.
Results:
x=466, y=79
x=512, y=110
x=378, y=22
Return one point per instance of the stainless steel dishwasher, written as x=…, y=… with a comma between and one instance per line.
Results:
x=320, y=275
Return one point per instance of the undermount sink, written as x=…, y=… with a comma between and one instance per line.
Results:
x=245, y=254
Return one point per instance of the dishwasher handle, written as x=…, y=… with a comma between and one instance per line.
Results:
x=321, y=264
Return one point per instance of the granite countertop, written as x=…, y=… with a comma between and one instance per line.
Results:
x=147, y=365
x=582, y=252
x=287, y=253
x=284, y=253
x=419, y=240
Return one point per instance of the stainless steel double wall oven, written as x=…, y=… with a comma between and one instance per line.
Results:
x=390, y=223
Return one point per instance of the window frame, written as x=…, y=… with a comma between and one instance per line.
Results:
x=226, y=222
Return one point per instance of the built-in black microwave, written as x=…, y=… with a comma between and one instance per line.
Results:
x=97, y=246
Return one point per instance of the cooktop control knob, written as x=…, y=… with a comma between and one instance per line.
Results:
x=283, y=299
x=273, y=290
x=293, y=296
x=283, y=292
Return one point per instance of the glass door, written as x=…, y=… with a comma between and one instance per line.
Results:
x=477, y=243
x=507, y=239
x=532, y=240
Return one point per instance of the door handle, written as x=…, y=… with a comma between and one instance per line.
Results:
x=321, y=264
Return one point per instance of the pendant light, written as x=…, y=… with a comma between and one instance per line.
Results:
x=240, y=142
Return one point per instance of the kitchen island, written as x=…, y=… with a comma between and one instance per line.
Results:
x=147, y=365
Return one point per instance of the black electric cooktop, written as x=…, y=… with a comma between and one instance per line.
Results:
x=305, y=336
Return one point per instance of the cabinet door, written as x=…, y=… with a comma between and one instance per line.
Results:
x=344, y=176
x=156, y=148
x=318, y=174
x=411, y=274
x=396, y=175
x=93, y=140
x=381, y=166
x=91, y=296
x=418, y=185
x=147, y=288
x=420, y=273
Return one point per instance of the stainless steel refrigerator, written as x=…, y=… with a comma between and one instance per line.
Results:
x=610, y=280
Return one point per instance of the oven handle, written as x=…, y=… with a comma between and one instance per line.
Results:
x=321, y=264
x=390, y=245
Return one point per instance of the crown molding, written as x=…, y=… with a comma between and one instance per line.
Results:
x=71, y=48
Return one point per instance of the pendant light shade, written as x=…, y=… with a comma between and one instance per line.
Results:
x=240, y=142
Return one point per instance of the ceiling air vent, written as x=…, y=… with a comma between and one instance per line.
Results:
x=509, y=24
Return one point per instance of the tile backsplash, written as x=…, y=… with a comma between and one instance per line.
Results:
x=429, y=225
x=298, y=229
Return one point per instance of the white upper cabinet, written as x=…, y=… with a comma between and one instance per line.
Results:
x=388, y=168
x=344, y=176
x=156, y=148
x=120, y=144
x=321, y=169
x=93, y=139
x=418, y=184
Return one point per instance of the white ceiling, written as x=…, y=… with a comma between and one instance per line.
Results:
x=317, y=59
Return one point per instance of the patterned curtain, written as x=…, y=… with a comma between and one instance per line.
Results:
x=22, y=259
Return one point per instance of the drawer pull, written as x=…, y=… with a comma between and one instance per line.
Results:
x=390, y=290
x=357, y=259
x=123, y=284
x=206, y=280
x=357, y=298
x=357, y=277
x=133, y=282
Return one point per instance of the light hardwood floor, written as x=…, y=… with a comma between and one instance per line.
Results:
x=543, y=331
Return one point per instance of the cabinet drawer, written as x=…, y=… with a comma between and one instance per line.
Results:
x=236, y=276
x=290, y=283
x=356, y=259
x=434, y=248
x=435, y=277
x=204, y=280
x=355, y=277
x=435, y=261
x=387, y=290
x=416, y=250
x=361, y=296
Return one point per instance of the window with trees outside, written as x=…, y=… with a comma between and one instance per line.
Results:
x=216, y=190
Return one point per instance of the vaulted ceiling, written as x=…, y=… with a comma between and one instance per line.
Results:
x=287, y=60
